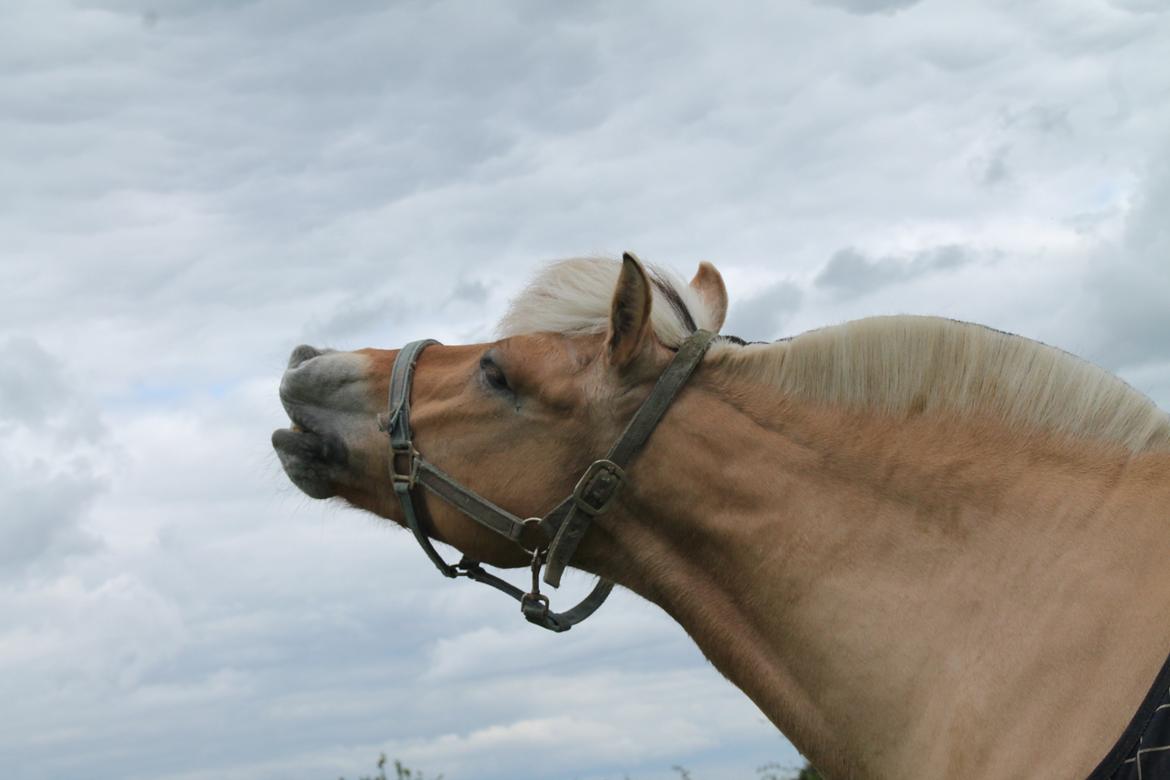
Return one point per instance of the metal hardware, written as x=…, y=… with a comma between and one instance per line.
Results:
x=535, y=605
x=529, y=522
x=537, y=562
x=599, y=486
x=408, y=477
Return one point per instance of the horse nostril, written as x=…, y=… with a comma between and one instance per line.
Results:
x=301, y=354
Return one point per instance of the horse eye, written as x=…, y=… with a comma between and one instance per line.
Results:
x=493, y=374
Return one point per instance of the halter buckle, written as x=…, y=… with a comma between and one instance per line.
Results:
x=598, y=487
x=534, y=607
x=403, y=480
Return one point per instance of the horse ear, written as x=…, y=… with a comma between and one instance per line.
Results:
x=629, y=317
x=708, y=283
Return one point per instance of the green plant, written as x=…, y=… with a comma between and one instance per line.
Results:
x=400, y=772
x=771, y=771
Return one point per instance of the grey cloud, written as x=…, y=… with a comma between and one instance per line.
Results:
x=372, y=317
x=469, y=290
x=992, y=169
x=37, y=393
x=33, y=387
x=1041, y=117
x=851, y=272
x=43, y=510
x=1140, y=6
x=1130, y=288
x=47, y=479
x=1089, y=223
x=762, y=316
x=353, y=318
x=867, y=7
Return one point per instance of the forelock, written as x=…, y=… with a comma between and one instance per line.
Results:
x=574, y=297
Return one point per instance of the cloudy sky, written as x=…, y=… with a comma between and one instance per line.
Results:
x=190, y=188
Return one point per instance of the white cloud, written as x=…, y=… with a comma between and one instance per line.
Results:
x=51, y=445
x=192, y=188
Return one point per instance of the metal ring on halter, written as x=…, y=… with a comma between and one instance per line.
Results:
x=526, y=523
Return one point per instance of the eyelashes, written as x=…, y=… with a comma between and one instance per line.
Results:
x=494, y=375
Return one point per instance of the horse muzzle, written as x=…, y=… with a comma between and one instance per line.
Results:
x=324, y=393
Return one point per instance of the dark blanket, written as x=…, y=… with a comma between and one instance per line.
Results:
x=1143, y=752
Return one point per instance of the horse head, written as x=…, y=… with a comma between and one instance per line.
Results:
x=516, y=420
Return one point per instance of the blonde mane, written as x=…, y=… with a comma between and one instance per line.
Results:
x=906, y=364
x=896, y=365
x=574, y=296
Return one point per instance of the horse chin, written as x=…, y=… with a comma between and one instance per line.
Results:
x=306, y=457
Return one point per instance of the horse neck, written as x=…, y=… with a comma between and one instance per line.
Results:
x=885, y=591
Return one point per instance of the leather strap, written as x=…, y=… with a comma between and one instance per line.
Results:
x=402, y=448
x=471, y=504
x=602, y=481
x=536, y=610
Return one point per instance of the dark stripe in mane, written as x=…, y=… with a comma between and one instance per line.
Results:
x=741, y=342
x=675, y=300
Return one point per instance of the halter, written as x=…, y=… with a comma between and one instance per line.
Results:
x=563, y=527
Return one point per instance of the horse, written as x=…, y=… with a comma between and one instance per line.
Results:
x=918, y=545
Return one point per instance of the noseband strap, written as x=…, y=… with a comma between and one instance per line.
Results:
x=562, y=529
